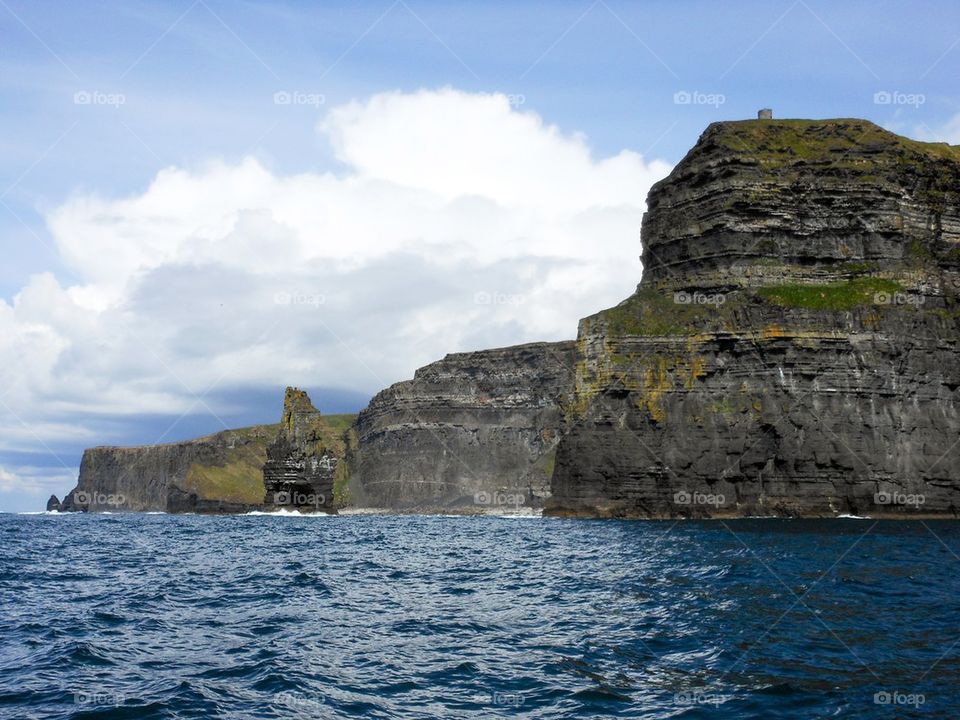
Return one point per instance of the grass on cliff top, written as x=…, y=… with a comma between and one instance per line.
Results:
x=817, y=139
x=652, y=313
x=240, y=479
x=341, y=422
x=834, y=296
x=648, y=312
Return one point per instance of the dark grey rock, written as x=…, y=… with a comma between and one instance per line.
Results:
x=301, y=465
x=221, y=473
x=792, y=348
x=473, y=432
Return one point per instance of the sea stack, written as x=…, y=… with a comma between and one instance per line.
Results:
x=302, y=462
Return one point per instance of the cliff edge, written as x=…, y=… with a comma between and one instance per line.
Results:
x=792, y=346
x=220, y=473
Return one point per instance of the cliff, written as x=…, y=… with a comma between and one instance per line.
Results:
x=215, y=474
x=473, y=432
x=792, y=346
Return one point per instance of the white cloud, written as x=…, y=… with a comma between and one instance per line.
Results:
x=233, y=275
x=8, y=481
x=34, y=481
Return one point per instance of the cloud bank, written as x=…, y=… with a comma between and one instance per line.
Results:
x=453, y=222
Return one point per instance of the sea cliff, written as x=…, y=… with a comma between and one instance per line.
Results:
x=215, y=474
x=791, y=349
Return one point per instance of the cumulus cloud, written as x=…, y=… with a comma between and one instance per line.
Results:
x=452, y=222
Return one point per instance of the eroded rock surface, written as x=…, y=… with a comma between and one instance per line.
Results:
x=476, y=431
x=792, y=347
x=301, y=464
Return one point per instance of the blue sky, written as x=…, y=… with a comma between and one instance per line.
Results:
x=98, y=98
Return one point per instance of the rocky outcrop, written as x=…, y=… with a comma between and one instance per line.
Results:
x=221, y=473
x=476, y=432
x=53, y=504
x=792, y=348
x=301, y=465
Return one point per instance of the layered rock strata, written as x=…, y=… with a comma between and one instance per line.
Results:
x=792, y=347
x=791, y=350
x=473, y=432
x=301, y=465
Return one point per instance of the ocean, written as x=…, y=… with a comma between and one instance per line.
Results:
x=163, y=616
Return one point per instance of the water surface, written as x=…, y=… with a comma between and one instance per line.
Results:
x=157, y=616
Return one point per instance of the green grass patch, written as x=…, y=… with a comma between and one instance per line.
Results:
x=648, y=312
x=239, y=480
x=813, y=140
x=859, y=268
x=339, y=423
x=833, y=296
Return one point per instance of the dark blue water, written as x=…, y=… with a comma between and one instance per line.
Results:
x=155, y=616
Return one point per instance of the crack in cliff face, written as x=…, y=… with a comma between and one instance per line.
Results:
x=810, y=266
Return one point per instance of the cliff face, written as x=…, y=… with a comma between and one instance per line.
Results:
x=296, y=462
x=472, y=432
x=301, y=466
x=215, y=474
x=792, y=347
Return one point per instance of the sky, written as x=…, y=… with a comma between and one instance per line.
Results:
x=202, y=202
